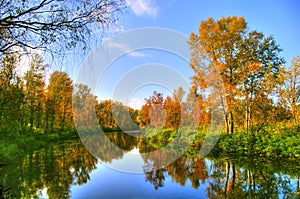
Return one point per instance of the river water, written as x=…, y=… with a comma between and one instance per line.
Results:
x=69, y=170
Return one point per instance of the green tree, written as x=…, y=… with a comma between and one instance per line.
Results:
x=105, y=116
x=11, y=96
x=34, y=91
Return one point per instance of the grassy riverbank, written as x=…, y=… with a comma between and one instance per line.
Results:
x=271, y=142
x=13, y=147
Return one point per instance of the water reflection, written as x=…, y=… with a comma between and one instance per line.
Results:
x=255, y=178
x=54, y=170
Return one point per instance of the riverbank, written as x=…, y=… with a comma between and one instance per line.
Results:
x=13, y=147
x=271, y=142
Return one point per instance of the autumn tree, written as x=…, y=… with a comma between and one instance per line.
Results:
x=53, y=25
x=226, y=52
x=173, y=107
x=59, y=101
x=83, y=102
x=105, y=115
x=152, y=112
x=172, y=113
x=143, y=117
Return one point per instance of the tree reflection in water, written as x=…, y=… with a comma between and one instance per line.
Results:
x=232, y=178
x=55, y=168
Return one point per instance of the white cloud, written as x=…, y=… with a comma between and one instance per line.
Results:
x=143, y=7
x=126, y=49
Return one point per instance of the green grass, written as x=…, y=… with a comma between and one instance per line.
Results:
x=14, y=147
x=270, y=142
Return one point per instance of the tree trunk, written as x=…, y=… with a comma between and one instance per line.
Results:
x=231, y=123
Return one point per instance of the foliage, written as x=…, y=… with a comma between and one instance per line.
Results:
x=115, y=116
x=271, y=142
x=247, y=63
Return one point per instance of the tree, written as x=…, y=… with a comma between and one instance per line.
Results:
x=157, y=114
x=83, y=106
x=173, y=113
x=152, y=112
x=290, y=91
x=143, y=117
x=52, y=25
x=34, y=90
x=173, y=107
x=242, y=60
x=59, y=99
x=105, y=116
x=11, y=96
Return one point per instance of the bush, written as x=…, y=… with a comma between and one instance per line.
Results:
x=272, y=142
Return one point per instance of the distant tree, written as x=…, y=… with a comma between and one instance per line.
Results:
x=173, y=107
x=173, y=113
x=143, y=117
x=84, y=104
x=191, y=109
x=53, y=25
x=152, y=112
x=157, y=113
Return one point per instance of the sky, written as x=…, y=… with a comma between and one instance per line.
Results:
x=277, y=18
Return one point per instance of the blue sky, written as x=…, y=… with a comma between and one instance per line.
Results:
x=277, y=18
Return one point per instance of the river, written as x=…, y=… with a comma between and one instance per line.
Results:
x=69, y=170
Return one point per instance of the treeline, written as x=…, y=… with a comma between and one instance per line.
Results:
x=241, y=74
x=173, y=111
x=29, y=104
x=237, y=70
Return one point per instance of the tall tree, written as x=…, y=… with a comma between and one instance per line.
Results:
x=157, y=114
x=11, y=96
x=226, y=50
x=59, y=98
x=173, y=113
x=34, y=90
